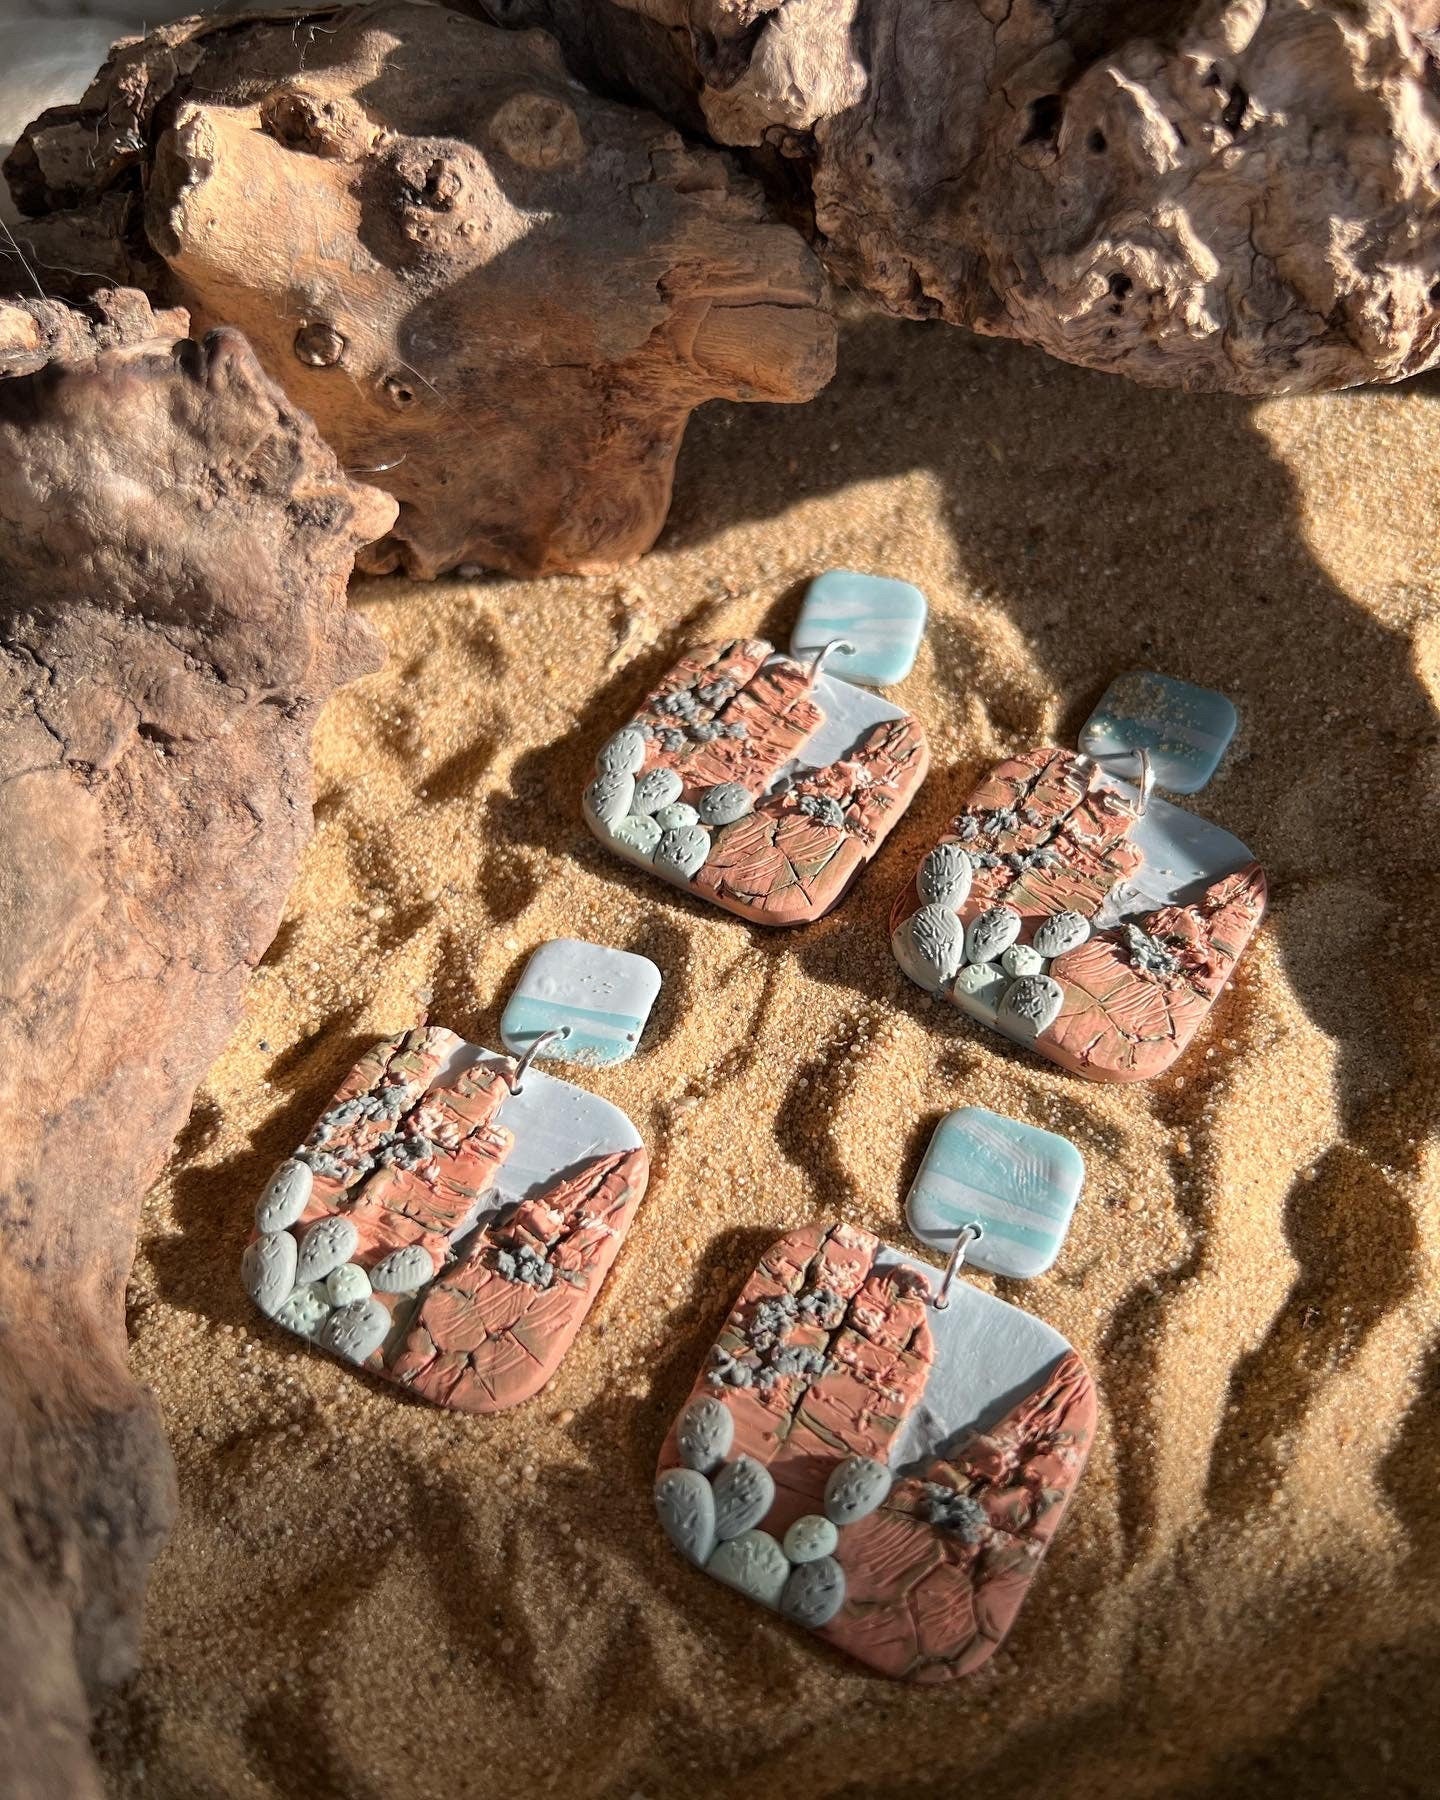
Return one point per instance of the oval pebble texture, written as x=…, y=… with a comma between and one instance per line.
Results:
x=725, y=803
x=685, y=1504
x=285, y=1198
x=814, y=1593
x=1031, y=1005
x=327, y=1244
x=705, y=1433
x=855, y=1488
x=683, y=851
x=402, y=1271
x=654, y=789
x=638, y=832
x=622, y=754
x=991, y=934
x=1062, y=931
x=945, y=876
x=744, y=1493
x=348, y=1282
x=810, y=1537
x=754, y=1563
x=268, y=1270
x=609, y=797
x=356, y=1331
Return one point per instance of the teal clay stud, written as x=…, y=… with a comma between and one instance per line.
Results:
x=600, y=998
x=1185, y=729
x=1019, y=1184
x=881, y=620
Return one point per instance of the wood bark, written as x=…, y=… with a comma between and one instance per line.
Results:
x=498, y=293
x=174, y=546
x=1233, y=194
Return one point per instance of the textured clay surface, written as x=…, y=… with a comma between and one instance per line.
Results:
x=822, y=1359
x=1045, y=837
x=497, y=293
x=174, y=546
x=405, y=1159
x=723, y=720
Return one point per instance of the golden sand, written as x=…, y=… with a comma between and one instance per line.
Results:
x=366, y=1598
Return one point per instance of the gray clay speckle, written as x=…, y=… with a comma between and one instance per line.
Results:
x=955, y=1513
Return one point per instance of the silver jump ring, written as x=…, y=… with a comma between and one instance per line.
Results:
x=968, y=1234
x=1147, y=781
x=514, y=1077
x=828, y=650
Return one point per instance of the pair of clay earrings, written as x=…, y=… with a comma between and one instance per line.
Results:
x=1066, y=907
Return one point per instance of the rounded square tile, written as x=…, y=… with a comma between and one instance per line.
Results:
x=1186, y=729
x=601, y=996
x=883, y=618
x=1017, y=1182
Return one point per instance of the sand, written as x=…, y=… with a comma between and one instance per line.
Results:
x=367, y=1598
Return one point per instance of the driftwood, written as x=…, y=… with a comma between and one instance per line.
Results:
x=1236, y=194
x=174, y=547
x=501, y=294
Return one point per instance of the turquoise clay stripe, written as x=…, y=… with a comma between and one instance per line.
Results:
x=1040, y=1197
x=555, y=1012
x=995, y=1223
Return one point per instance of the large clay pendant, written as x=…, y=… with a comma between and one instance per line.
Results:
x=758, y=782
x=882, y=1471
x=448, y=1223
x=1077, y=915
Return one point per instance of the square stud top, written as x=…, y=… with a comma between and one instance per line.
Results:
x=601, y=997
x=1186, y=729
x=881, y=618
x=1019, y=1184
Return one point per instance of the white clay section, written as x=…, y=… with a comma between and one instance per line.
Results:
x=1184, y=854
x=988, y=1356
x=556, y=1125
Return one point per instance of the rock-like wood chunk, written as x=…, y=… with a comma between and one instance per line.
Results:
x=174, y=546
x=498, y=293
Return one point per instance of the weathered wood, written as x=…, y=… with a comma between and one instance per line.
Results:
x=1236, y=194
x=174, y=546
x=499, y=293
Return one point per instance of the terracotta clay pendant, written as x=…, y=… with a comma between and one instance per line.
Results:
x=1077, y=915
x=883, y=1471
x=449, y=1221
x=756, y=781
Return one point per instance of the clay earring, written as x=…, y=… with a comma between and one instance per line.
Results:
x=757, y=781
x=450, y=1219
x=879, y=1455
x=1074, y=913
